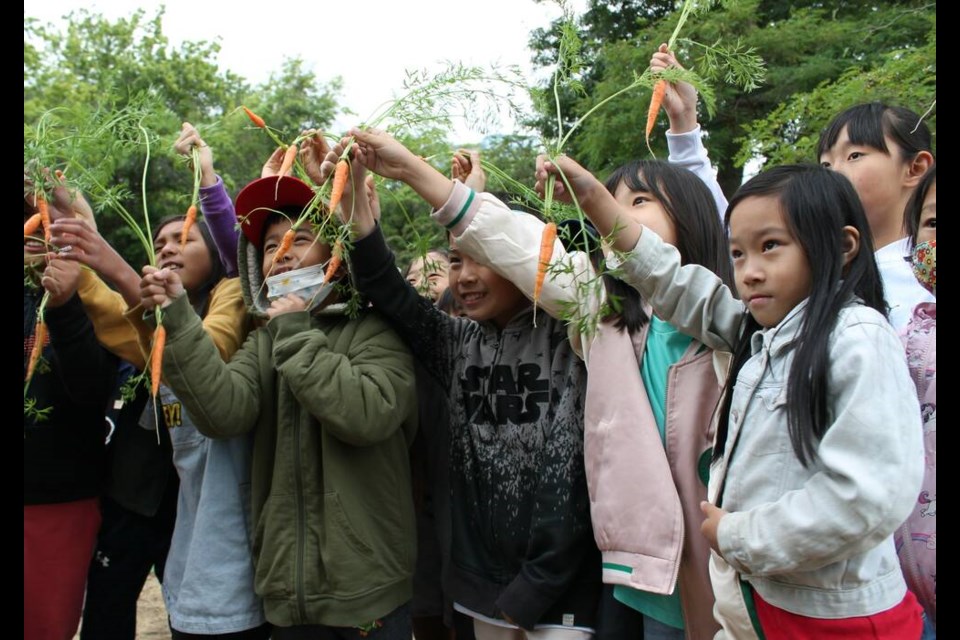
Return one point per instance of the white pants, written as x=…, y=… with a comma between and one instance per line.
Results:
x=486, y=631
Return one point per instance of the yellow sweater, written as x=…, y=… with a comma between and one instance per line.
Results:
x=122, y=330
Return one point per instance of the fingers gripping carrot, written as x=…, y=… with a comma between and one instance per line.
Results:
x=188, y=221
x=335, y=261
x=156, y=359
x=288, y=157
x=656, y=100
x=339, y=183
x=31, y=225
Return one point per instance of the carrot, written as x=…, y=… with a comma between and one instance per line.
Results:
x=335, y=261
x=255, y=119
x=31, y=225
x=339, y=184
x=188, y=221
x=156, y=358
x=44, y=212
x=656, y=100
x=39, y=338
x=285, y=244
x=288, y=157
x=546, y=252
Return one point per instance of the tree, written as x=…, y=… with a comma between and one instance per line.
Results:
x=95, y=69
x=806, y=45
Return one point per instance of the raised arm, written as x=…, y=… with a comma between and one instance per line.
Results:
x=215, y=203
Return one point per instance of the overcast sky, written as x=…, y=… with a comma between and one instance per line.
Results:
x=373, y=41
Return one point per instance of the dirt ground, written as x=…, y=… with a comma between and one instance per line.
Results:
x=151, y=614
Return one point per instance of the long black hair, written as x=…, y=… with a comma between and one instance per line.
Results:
x=816, y=204
x=693, y=211
x=868, y=123
x=201, y=297
x=911, y=216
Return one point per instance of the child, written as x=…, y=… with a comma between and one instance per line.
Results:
x=522, y=555
x=917, y=538
x=63, y=440
x=331, y=404
x=648, y=433
x=818, y=455
x=428, y=274
x=884, y=151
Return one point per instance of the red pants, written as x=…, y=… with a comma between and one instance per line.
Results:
x=902, y=622
x=58, y=543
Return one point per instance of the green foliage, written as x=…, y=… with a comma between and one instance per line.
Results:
x=806, y=45
x=94, y=71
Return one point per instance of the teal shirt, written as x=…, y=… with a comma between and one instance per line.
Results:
x=665, y=346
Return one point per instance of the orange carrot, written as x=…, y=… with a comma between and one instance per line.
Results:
x=255, y=119
x=44, y=217
x=285, y=244
x=288, y=157
x=31, y=225
x=656, y=100
x=546, y=252
x=156, y=358
x=339, y=184
x=39, y=338
x=189, y=220
x=335, y=261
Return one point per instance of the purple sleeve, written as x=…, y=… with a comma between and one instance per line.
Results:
x=221, y=217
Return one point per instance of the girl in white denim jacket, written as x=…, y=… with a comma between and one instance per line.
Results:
x=818, y=454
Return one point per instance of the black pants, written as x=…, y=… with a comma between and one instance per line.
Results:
x=615, y=620
x=393, y=626
x=128, y=546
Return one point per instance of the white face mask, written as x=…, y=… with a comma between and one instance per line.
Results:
x=306, y=283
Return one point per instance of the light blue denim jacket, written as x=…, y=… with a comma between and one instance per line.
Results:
x=816, y=540
x=208, y=578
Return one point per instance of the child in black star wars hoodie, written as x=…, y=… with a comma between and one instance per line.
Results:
x=523, y=553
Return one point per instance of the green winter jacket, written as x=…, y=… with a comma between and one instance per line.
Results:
x=332, y=402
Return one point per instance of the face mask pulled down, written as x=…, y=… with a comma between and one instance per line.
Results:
x=924, y=262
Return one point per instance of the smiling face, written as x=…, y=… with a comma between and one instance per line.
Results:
x=192, y=263
x=33, y=246
x=429, y=276
x=769, y=265
x=643, y=207
x=306, y=250
x=482, y=293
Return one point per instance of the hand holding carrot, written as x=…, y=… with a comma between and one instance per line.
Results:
x=313, y=150
x=680, y=98
x=466, y=168
x=354, y=207
x=188, y=139
x=272, y=166
x=289, y=303
x=382, y=154
x=60, y=279
x=584, y=184
x=81, y=243
x=159, y=287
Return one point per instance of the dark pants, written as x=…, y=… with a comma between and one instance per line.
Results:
x=393, y=626
x=128, y=546
x=615, y=620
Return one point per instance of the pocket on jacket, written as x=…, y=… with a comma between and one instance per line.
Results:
x=348, y=559
x=274, y=547
x=770, y=435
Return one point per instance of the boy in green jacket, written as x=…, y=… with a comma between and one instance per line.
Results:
x=332, y=402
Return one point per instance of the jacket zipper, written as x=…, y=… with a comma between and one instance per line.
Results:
x=301, y=524
x=494, y=538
